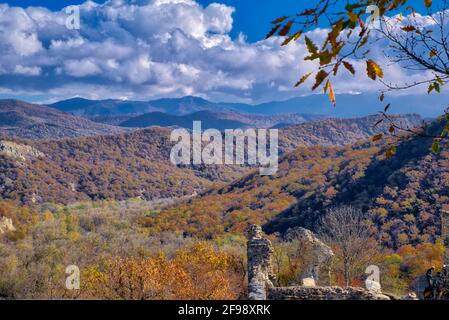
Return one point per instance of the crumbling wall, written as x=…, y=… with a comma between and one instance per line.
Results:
x=317, y=256
x=260, y=270
x=261, y=276
x=323, y=293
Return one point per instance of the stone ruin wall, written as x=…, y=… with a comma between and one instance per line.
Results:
x=261, y=277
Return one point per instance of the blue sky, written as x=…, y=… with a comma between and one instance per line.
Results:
x=161, y=48
x=252, y=17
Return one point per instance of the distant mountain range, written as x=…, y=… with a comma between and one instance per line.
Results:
x=348, y=106
x=37, y=122
x=209, y=119
x=31, y=121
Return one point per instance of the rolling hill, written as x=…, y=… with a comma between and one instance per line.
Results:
x=340, y=132
x=128, y=165
x=31, y=121
x=208, y=120
x=132, y=164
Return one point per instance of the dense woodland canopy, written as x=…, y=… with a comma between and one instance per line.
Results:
x=136, y=164
x=402, y=195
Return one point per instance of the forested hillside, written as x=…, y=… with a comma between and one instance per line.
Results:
x=31, y=121
x=116, y=167
x=339, y=132
x=402, y=196
x=137, y=164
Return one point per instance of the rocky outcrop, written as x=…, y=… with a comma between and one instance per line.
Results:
x=444, y=214
x=317, y=255
x=260, y=270
x=323, y=293
x=18, y=151
x=6, y=225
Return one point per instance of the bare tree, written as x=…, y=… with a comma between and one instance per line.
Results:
x=346, y=230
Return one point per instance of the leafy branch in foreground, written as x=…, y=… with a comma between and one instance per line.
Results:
x=410, y=40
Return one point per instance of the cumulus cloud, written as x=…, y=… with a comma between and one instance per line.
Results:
x=144, y=49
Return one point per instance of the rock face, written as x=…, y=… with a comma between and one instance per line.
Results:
x=19, y=151
x=441, y=284
x=445, y=234
x=260, y=270
x=324, y=293
x=317, y=255
x=6, y=225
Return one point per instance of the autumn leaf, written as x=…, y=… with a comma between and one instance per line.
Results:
x=325, y=58
x=436, y=147
x=377, y=137
x=335, y=32
x=408, y=28
x=352, y=16
x=439, y=80
x=349, y=67
x=279, y=20
x=273, y=31
x=320, y=77
x=303, y=79
x=373, y=70
x=436, y=86
x=390, y=152
x=331, y=92
x=286, y=29
x=313, y=49
x=428, y=3
x=382, y=97
x=326, y=86
x=335, y=69
x=433, y=53
x=294, y=36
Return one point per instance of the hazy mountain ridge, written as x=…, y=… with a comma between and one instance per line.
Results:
x=31, y=121
x=209, y=120
x=348, y=106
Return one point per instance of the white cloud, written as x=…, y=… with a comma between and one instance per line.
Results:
x=143, y=49
x=30, y=71
x=81, y=68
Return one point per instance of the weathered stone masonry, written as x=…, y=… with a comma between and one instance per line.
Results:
x=261, y=276
x=260, y=270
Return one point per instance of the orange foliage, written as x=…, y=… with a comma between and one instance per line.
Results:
x=198, y=272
